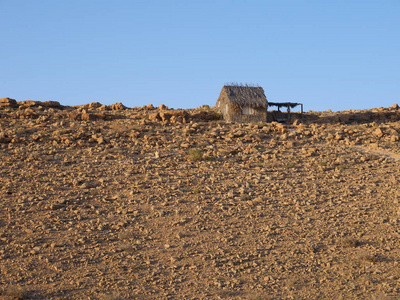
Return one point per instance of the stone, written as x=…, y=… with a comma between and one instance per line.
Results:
x=94, y=105
x=8, y=102
x=155, y=117
x=117, y=106
x=4, y=138
x=164, y=116
x=378, y=132
x=29, y=103
x=51, y=104
x=87, y=117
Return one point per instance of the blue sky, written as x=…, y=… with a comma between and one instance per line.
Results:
x=342, y=54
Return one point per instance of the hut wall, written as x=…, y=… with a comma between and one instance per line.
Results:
x=234, y=113
x=260, y=115
x=224, y=107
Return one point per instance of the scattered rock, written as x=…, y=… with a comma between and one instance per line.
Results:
x=178, y=204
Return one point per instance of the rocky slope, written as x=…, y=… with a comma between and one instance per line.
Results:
x=109, y=202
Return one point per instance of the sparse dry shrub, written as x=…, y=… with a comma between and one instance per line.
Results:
x=126, y=246
x=257, y=296
x=368, y=257
x=14, y=293
x=350, y=242
x=112, y=296
x=195, y=154
x=196, y=191
x=127, y=234
x=290, y=166
x=204, y=107
x=206, y=115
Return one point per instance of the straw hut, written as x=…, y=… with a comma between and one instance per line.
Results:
x=243, y=104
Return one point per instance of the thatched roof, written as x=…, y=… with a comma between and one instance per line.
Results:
x=245, y=96
x=284, y=104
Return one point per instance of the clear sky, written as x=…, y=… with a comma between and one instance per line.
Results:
x=327, y=54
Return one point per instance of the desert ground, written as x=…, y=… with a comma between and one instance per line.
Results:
x=109, y=202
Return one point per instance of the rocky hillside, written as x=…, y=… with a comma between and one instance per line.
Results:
x=110, y=202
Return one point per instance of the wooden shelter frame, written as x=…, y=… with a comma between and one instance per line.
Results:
x=288, y=105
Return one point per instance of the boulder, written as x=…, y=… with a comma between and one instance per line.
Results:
x=28, y=103
x=52, y=104
x=117, y=106
x=378, y=132
x=91, y=106
x=8, y=102
x=155, y=117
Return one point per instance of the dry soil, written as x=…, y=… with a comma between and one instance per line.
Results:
x=108, y=202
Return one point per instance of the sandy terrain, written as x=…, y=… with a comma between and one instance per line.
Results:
x=105, y=202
